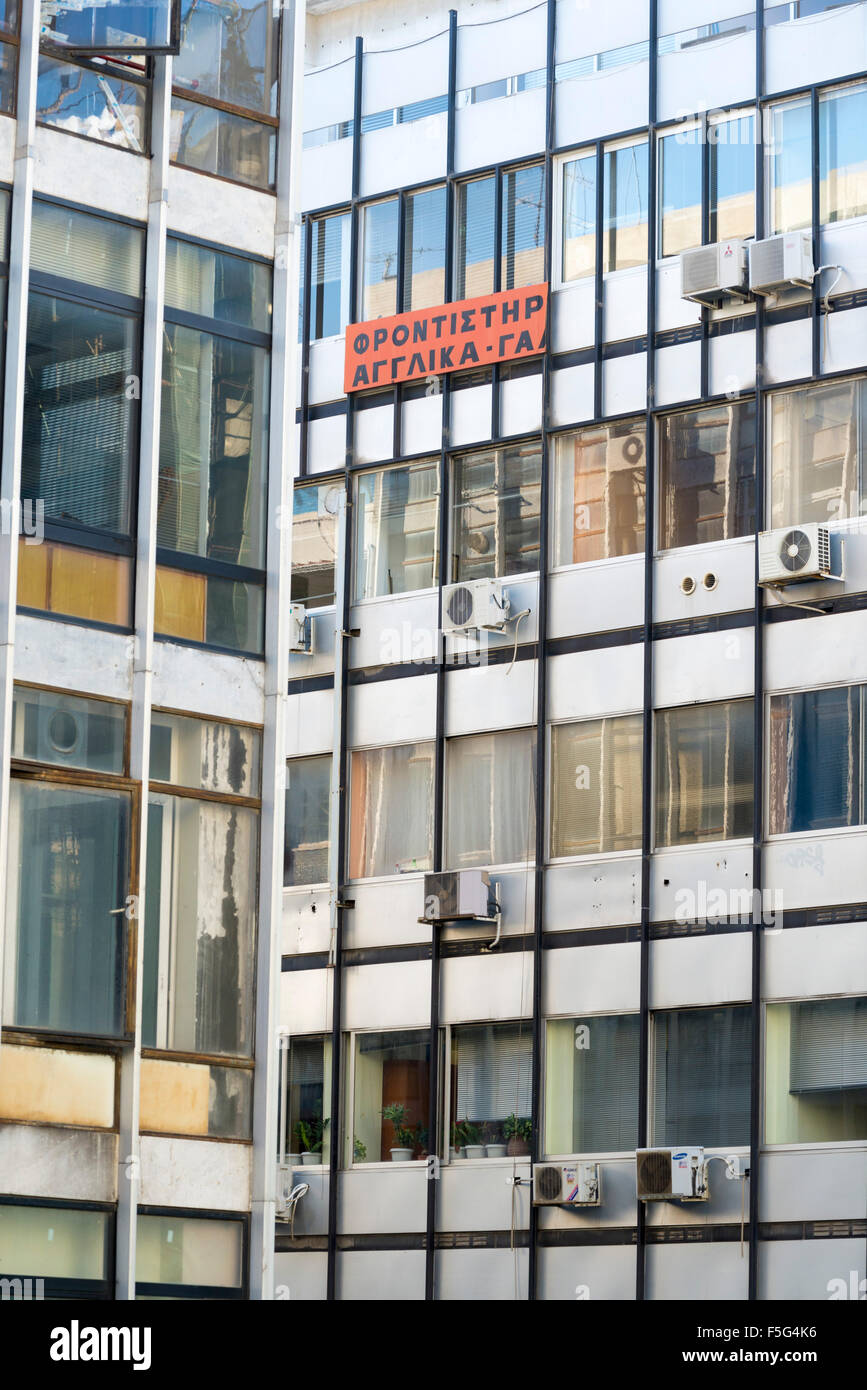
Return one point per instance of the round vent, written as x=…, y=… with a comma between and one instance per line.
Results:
x=633, y=448
x=63, y=731
x=795, y=550
x=460, y=606
x=549, y=1183
x=654, y=1172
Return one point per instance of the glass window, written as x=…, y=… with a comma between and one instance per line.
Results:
x=701, y=1076
x=8, y=66
x=732, y=178
x=309, y=1102
x=396, y=516
x=599, y=492
x=57, y=1086
x=68, y=889
x=217, y=285
x=791, y=162
x=213, y=447
x=490, y=799
x=106, y=105
x=704, y=760
x=842, y=155
x=591, y=1084
x=230, y=52
x=816, y=1071
x=680, y=159
x=379, y=260
x=424, y=249
x=196, y=1099
x=188, y=1251
x=624, y=226
x=42, y=1242
x=329, y=304
x=391, y=810
x=495, y=513
x=308, y=796
x=200, y=926
x=818, y=453
x=490, y=1082
x=314, y=544
x=137, y=25
x=522, y=251
x=205, y=755
x=818, y=759
x=707, y=475
x=202, y=608
x=475, y=238
x=596, y=786
x=219, y=142
x=579, y=217
x=68, y=731
x=391, y=1085
x=94, y=251
x=80, y=583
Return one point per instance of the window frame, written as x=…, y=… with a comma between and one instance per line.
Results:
x=543, y=1089
x=799, y=836
x=657, y=521
x=407, y=466
x=694, y=846
x=346, y=1157
x=497, y=173
x=185, y=1292
x=594, y=856
x=558, y=216
x=378, y=748
x=97, y=1290
x=794, y=1146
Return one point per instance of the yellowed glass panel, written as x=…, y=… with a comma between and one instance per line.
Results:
x=174, y=1097
x=180, y=605
x=77, y=583
x=44, y=1085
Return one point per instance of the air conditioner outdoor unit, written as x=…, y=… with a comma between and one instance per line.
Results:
x=300, y=630
x=462, y=895
x=475, y=603
x=711, y=274
x=671, y=1175
x=795, y=553
x=566, y=1185
x=781, y=261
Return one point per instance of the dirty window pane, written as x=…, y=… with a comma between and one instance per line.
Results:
x=707, y=475
x=391, y=810
x=591, y=1085
x=396, y=518
x=204, y=755
x=701, y=1074
x=314, y=544
x=193, y=1098
x=490, y=799
x=596, y=786
x=308, y=1138
x=103, y=105
x=704, y=760
x=818, y=760
x=202, y=608
x=218, y=285
x=599, y=492
x=189, y=1250
x=230, y=52
x=200, y=926
x=218, y=142
x=68, y=731
x=495, y=513
x=392, y=1083
x=213, y=447
x=816, y=1071
x=308, y=789
x=68, y=886
x=54, y=1242
x=53, y=1085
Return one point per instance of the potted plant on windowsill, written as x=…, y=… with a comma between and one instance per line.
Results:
x=493, y=1136
x=473, y=1144
x=406, y=1137
x=517, y=1132
x=310, y=1134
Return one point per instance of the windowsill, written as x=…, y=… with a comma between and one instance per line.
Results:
x=800, y=836
x=602, y=857
x=821, y=1146
x=379, y=599
x=704, y=547
x=704, y=846
x=606, y=562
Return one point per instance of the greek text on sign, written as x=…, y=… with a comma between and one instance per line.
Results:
x=450, y=338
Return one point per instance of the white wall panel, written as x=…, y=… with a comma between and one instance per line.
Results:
x=482, y=1275
x=705, y=666
x=521, y=405
x=112, y=180
x=571, y=395
x=51, y=1161
x=400, y=76
x=387, y=996
x=732, y=364
x=237, y=216
x=374, y=434
x=305, y=1000
x=479, y=988
x=624, y=383
x=326, y=444
x=504, y=129
x=672, y=310
x=386, y=913
x=50, y=652
x=7, y=149
x=326, y=175
x=678, y=373
x=572, y=312
x=596, y=1273
x=816, y=48
x=326, y=369
x=476, y=1195
x=788, y=350
x=733, y=564
x=487, y=51
x=228, y=687
x=471, y=415
x=592, y=979
x=199, y=1173
x=805, y=961
x=837, y=645
x=584, y=28
x=485, y=697
x=717, y=74
x=303, y=1276
x=593, y=893
x=715, y=1270
x=585, y=685
x=422, y=425
x=329, y=95
x=403, y=154
x=846, y=340
x=397, y=629
x=625, y=295
x=816, y=870
x=844, y=244
x=309, y=719
x=377, y=1199
x=803, y=1270
x=387, y=712
x=602, y=102
x=813, y=1183
x=675, y=15
x=305, y=925
x=601, y=595
x=320, y=660
x=389, y=1276
x=703, y=871
x=700, y=970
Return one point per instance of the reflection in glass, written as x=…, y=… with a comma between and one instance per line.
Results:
x=579, y=217
x=701, y=1076
x=704, y=760
x=522, y=250
x=818, y=759
x=495, y=513
x=314, y=544
x=309, y=1099
x=219, y=142
x=599, y=492
x=624, y=223
x=424, y=249
x=380, y=256
x=391, y=810
x=842, y=154
x=475, y=238
x=308, y=793
x=707, y=475
x=396, y=520
x=102, y=105
x=596, y=786
x=819, y=453
x=680, y=157
x=791, y=163
x=67, y=730
x=490, y=800
x=732, y=178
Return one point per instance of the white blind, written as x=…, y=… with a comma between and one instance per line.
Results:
x=828, y=1046
x=494, y=1068
x=92, y=250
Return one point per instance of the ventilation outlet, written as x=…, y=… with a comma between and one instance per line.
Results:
x=549, y=1183
x=687, y=584
x=710, y=580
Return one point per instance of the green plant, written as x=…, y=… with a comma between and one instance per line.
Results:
x=472, y=1134
x=359, y=1151
x=492, y=1132
x=405, y=1137
x=515, y=1128
x=309, y=1134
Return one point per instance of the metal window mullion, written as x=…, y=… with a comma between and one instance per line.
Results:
x=704, y=388
x=340, y=754
x=403, y=221
x=599, y=313
x=815, y=324
x=306, y=275
x=647, y=729
x=498, y=285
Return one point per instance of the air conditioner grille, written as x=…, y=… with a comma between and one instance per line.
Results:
x=767, y=262
x=549, y=1183
x=654, y=1172
x=699, y=271
x=460, y=606
x=795, y=550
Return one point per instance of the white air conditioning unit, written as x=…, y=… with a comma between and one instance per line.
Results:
x=671, y=1175
x=459, y=896
x=300, y=630
x=795, y=553
x=780, y=262
x=566, y=1185
x=711, y=274
x=475, y=603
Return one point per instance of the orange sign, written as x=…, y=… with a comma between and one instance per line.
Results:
x=453, y=337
